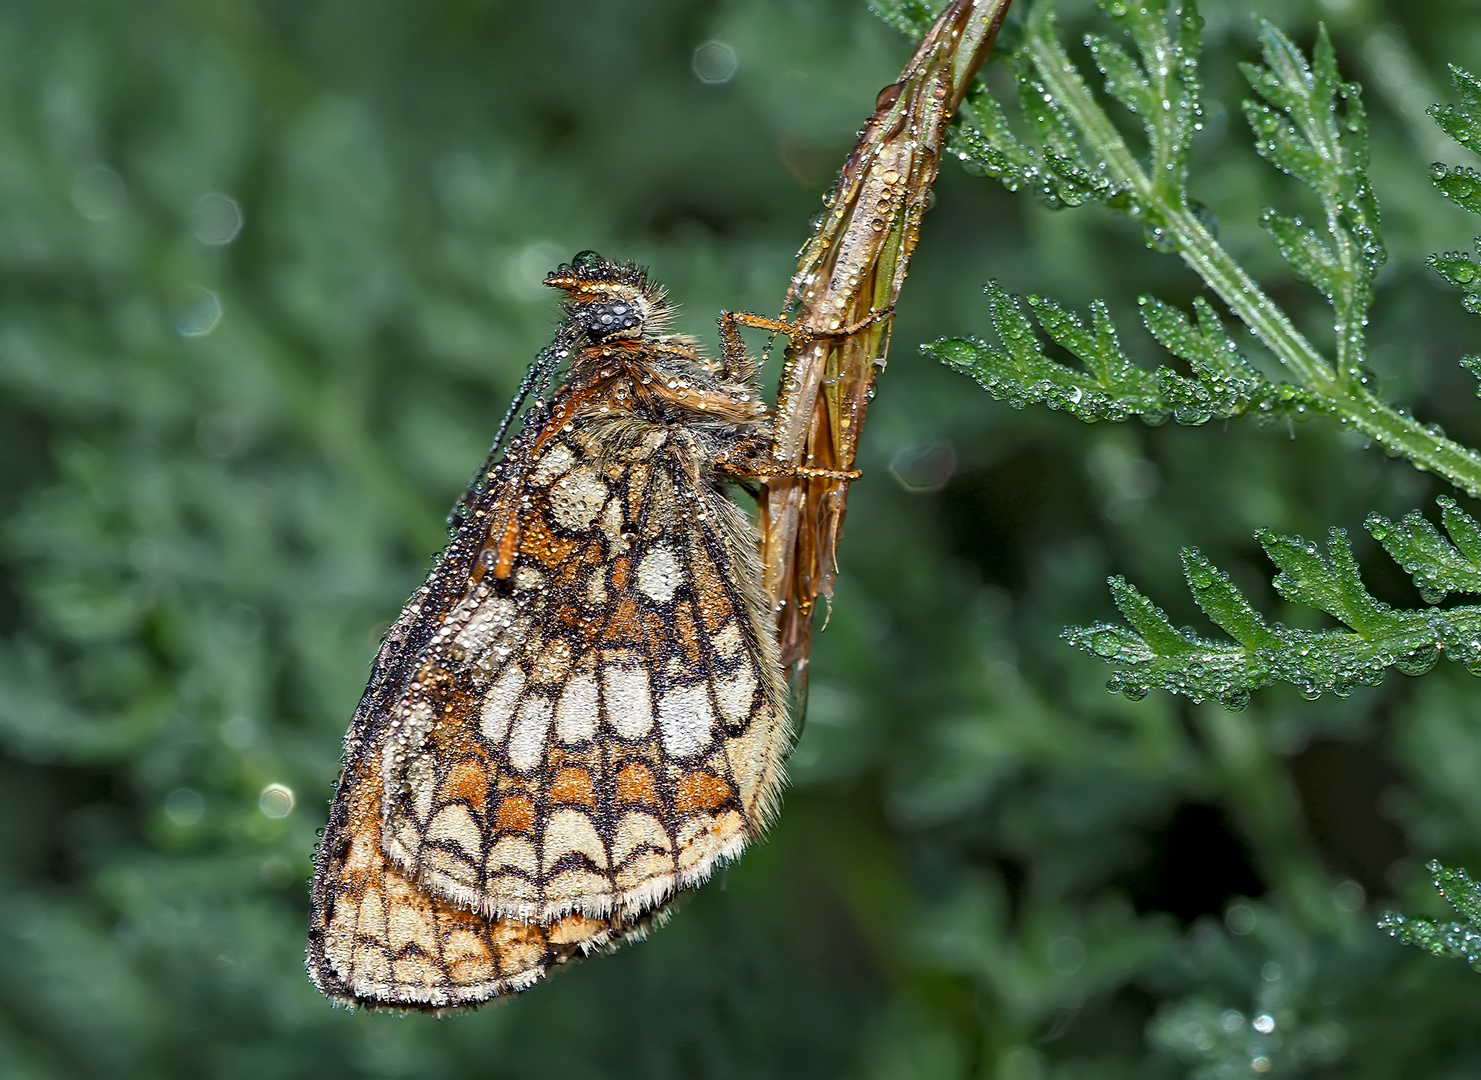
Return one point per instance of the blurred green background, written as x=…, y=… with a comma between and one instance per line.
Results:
x=269, y=273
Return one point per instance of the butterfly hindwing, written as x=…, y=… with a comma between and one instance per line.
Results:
x=605, y=723
x=377, y=938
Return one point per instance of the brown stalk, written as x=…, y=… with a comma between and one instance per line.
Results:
x=849, y=276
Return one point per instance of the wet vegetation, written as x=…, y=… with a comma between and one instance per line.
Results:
x=269, y=276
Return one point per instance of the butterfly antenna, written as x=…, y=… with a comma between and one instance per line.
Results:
x=537, y=381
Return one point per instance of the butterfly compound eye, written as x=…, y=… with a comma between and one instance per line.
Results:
x=612, y=317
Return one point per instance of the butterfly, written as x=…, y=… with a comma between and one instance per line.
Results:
x=582, y=711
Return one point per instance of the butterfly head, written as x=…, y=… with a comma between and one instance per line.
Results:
x=609, y=301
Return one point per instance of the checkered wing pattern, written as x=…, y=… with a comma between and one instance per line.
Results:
x=600, y=721
x=376, y=937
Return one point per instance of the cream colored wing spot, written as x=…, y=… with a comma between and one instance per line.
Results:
x=572, y=831
x=370, y=920
x=727, y=642
x=401, y=838
x=488, y=620
x=527, y=579
x=556, y=461
x=447, y=872
x=686, y=720
x=578, y=890
x=628, y=700
x=500, y=702
x=635, y=831
x=454, y=824
x=612, y=524
x=595, y=593
x=408, y=922
x=514, y=893
x=577, y=498
x=513, y=852
x=736, y=694
x=576, y=715
x=527, y=739
x=421, y=782
x=659, y=575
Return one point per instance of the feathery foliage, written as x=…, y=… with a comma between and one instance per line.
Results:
x=1460, y=939
x=1311, y=124
x=1152, y=653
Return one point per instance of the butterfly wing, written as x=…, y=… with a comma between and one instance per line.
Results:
x=376, y=938
x=600, y=719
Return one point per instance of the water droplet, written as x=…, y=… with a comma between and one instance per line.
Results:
x=1235, y=700
x=98, y=193
x=184, y=807
x=1160, y=239
x=1419, y=661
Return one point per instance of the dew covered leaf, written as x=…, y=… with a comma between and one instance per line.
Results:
x=1310, y=123
x=1460, y=184
x=911, y=17
x=1458, y=939
x=1437, y=565
x=1461, y=122
x=1108, y=386
x=1151, y=654
x=1329, y=582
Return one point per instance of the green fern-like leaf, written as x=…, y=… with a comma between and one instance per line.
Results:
x=1439, y=567
x=1459, y=939
x=1150, y=653
x=1309, y=123
x=1109, y=386
x=911, y=17
x=1462, y=186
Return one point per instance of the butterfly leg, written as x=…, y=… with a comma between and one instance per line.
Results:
x=738, y=363
x=746, y=462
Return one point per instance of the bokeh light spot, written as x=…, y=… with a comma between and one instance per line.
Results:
x=216, y=219
x=276, y=801
x=715, y=63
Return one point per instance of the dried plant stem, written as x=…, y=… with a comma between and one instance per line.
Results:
x=849, y=275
